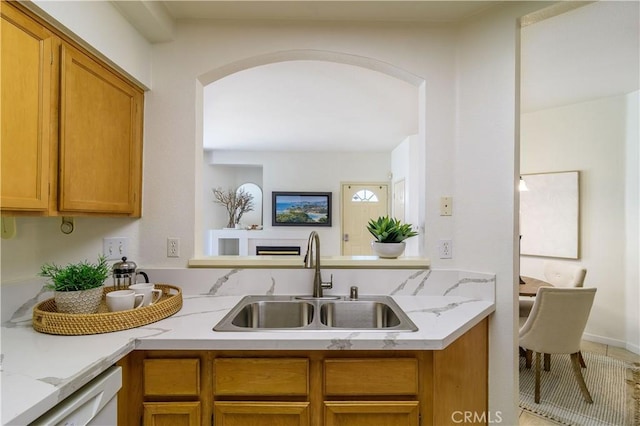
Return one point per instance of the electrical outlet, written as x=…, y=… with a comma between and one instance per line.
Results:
x=115, y=248
x=445, y=249
x=173, y=247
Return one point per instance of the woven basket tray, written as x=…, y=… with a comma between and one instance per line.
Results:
x=46, y=318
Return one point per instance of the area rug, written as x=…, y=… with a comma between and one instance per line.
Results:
x=614, y=386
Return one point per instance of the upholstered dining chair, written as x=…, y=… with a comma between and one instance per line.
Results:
x=561, y=274
x=558, y=274
x=555, y=326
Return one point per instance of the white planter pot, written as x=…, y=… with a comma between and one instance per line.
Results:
x=388, y=250
x=78, y=302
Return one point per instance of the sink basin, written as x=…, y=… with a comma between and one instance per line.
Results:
x=358, y=314
x=274, y=314
x=265, y=313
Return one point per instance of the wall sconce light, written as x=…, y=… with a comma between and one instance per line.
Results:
x=523, y=185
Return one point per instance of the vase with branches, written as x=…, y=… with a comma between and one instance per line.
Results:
x=236, y=202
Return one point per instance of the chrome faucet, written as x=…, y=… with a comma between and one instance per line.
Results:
x=313, y=244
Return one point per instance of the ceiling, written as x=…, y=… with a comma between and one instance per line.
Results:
x=313, y=105
x=336, y=10
x=587, y=53
x=309, y=106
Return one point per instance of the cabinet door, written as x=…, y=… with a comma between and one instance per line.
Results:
x=261, y=414
x=100, y=139
x=351, y=377
x=26, y=108
x=171, y=414
x=171, y=377
x=371, y=413
x=261, y=376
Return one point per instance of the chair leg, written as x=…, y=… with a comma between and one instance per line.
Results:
x=527, y=358
x=582, y=364
x=575, y=362
x=537, y=391
x=547, y=362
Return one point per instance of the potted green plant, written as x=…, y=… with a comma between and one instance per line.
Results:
x=389, y=234
x=78, y=287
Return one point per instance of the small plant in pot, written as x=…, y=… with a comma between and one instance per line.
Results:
x=389, y=234
x=78, y=287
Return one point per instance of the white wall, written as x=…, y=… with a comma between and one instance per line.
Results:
x=597, y=138
x=172, y=106
x=104, y=29
x=632, y=224
x=406, y=163
x=485, y=171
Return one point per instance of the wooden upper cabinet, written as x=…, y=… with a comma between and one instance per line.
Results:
x=100, y=138
x=71, y=125
x=26, y=106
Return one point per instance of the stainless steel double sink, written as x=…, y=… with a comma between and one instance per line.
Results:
x=264, y=313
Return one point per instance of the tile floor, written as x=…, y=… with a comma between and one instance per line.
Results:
x=528, y=419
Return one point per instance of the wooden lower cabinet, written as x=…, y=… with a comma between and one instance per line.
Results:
x=307, y=388
x=359, y=413
x=171, y=413
x=257, y=413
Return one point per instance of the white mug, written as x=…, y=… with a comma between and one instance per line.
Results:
x=122, y=300
x=151, y=295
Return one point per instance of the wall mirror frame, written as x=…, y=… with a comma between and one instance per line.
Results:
x=252, y=218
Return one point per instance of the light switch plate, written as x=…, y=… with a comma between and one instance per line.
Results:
x=115, y=248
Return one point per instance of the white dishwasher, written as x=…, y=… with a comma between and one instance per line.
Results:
x=95, y=404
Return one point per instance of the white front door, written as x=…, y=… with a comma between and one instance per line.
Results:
x=360, y=203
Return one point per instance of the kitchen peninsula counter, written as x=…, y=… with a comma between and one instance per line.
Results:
x=39, y=370
x=297, y=262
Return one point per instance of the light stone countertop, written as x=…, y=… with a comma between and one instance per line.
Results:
x=39, y=370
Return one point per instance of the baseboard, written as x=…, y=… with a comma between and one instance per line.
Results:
x=612, y=342
x=633, y=348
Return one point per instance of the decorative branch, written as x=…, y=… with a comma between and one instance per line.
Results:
x=236, y=202
x=244, y=203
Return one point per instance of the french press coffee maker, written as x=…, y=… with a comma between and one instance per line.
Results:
x=125, y=274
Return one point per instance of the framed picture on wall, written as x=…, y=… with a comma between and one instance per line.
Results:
x=301, y=208
x=549, y=215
